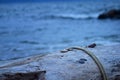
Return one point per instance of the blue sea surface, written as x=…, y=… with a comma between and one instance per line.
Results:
x=37, y=28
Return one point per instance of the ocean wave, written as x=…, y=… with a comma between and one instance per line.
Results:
x=72, y=16
x=29, y=42
x=3, y=33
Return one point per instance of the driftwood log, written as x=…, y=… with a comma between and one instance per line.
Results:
x=71, y=65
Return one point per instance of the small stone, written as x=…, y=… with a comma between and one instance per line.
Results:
x=63, y=51
x=91, y=45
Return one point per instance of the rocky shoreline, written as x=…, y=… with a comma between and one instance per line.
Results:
x=71, y=65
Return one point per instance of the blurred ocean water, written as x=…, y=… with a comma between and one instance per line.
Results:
x=38, y=28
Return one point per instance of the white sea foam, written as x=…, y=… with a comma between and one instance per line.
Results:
x=73, y=16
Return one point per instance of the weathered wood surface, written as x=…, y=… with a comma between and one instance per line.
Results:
x=72, y=65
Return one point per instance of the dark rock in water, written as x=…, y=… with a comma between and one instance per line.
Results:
x=112, y=14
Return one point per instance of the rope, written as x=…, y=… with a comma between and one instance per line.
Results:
x=98, y=63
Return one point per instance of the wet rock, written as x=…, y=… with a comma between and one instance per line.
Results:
x=111, y=14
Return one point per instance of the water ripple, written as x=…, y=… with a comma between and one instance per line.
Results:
x=29, y=42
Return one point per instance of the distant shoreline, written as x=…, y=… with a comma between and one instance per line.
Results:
x=50, y=1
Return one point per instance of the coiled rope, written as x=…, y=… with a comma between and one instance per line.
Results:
x=96, y=60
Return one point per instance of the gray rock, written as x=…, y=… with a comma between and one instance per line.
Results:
x=71, y=65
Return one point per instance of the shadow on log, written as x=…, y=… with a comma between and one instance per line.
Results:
x=39, y=75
